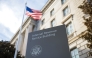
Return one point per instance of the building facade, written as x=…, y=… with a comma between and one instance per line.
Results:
x=55, y=13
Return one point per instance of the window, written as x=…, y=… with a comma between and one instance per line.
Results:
x=88, y=0
x=63, y=1
x=51, y=12
x=74, y=53
x=69, y=29
x=43, y=21
x=33, y=28
x=53, y=23
x=65, y=11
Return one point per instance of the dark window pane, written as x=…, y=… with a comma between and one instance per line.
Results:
x=63, y=1
x=77, y=56
x=74, y=53
x=65, y=11
x=69, y=29
x=43, y=21
x=52, y=12
x=53, y=23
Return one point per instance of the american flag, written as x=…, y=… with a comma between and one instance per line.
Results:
x=35, y=14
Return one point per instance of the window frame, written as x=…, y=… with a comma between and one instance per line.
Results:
x=88, y=0
x=64, y=11
x=52, y=12
x=63, y=2
x=74, y=53
x=33, y=27
x=43, y=21
x=67, y=30
x=53, y=21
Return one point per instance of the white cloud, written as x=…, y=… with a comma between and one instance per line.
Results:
x=5, y=33
x=11, y=13
x=8, y=18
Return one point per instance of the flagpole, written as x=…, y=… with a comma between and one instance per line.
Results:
x=20, y=31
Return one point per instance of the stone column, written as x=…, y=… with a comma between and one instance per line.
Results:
x=29, y=29
x=20, y=42
x=37, y=25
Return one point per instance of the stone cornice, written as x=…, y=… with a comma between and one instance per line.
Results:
x=47, y=5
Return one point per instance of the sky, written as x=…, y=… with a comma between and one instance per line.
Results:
x=11, y=14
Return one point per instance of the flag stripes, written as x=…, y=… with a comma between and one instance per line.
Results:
x=35, y=14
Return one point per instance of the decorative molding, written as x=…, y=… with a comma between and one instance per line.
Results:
x=47, y=5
